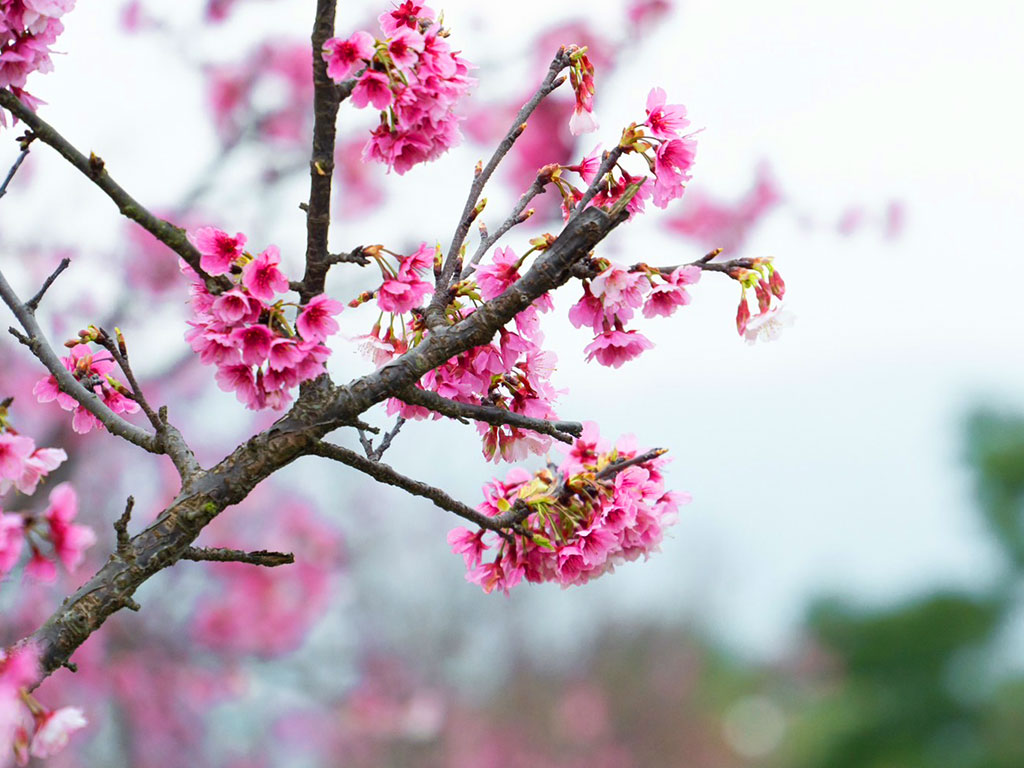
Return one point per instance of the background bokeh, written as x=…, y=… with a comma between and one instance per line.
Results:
x=844, y=588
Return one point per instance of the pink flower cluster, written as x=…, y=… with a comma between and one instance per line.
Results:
x=27, y=728
x=769, y=290
x=611, y=299
x=595, y=511
x=93, y=371
x=512, y=372
x=27, y=30
x=411, y=75
x=244, y=330
x=402, y=289
x=22, y=466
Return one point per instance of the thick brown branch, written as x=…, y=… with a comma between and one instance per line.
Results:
x=326, y=99
x=564, y=431
x=94, y=169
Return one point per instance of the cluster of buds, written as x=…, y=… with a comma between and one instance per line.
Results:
x=27, y=30
x=601, y=507
x=27, y=728
x=245, y=331
x=769, y=289
x=581, y=77
x=411, y=75
x=92, y=369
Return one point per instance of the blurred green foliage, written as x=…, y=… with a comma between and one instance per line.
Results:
x=929, y=683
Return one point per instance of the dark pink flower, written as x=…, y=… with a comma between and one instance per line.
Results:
x=316, y=321
x=405, y=47
x=664, y=120
x=495, y=277
x=669, y=295
x=218, y=250
x=254, y=341
x=373, y=88
x=261, y=276
x=613, y=348
x=342, y=56
x=405, y=15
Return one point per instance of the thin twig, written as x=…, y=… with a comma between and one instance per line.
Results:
x=35, y=340
x=435, y=310
x=95, y=170
x=617, y=466
x=33, y=304
x=564, y=431
x=14, y=168
x=112, y=346
x=389, y=436
x=220, y=555
x=382, y=473
x=516, y=217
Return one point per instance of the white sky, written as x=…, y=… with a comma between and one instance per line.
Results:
x=829, y=460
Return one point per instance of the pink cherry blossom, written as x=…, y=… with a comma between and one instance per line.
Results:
x=316, y=321
x=495, y=277
x=262, y=278
x=12, y=537
x=405, y=15
x=14, y=452
x=613, y=348
x=69, y=540
x=218, y=249
x=254, y=341
x=53, y=730
x=343, y=56
x=405, y=47
x=670, y=294
x=373, y=88
x=665, y=121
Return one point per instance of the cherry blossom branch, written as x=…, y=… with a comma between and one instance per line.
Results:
x=17, y=163
x=516, y=217
x=435, y=310
x=35, y=340
x=564, y=431
x=321, y=163
x=617, y=466
x=610, y=159
x=94, y=169
x=114, y=348
x=549, y=271
x=221, y=555
x=383, y=473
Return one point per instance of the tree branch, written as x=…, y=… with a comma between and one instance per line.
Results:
x=17, y=164
x=435, y=310
x=564, y=431
x=326, y=100
x=516, y=217
x=36, y=341
x=220, y=555
x=94, y=169
x=382, y=473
